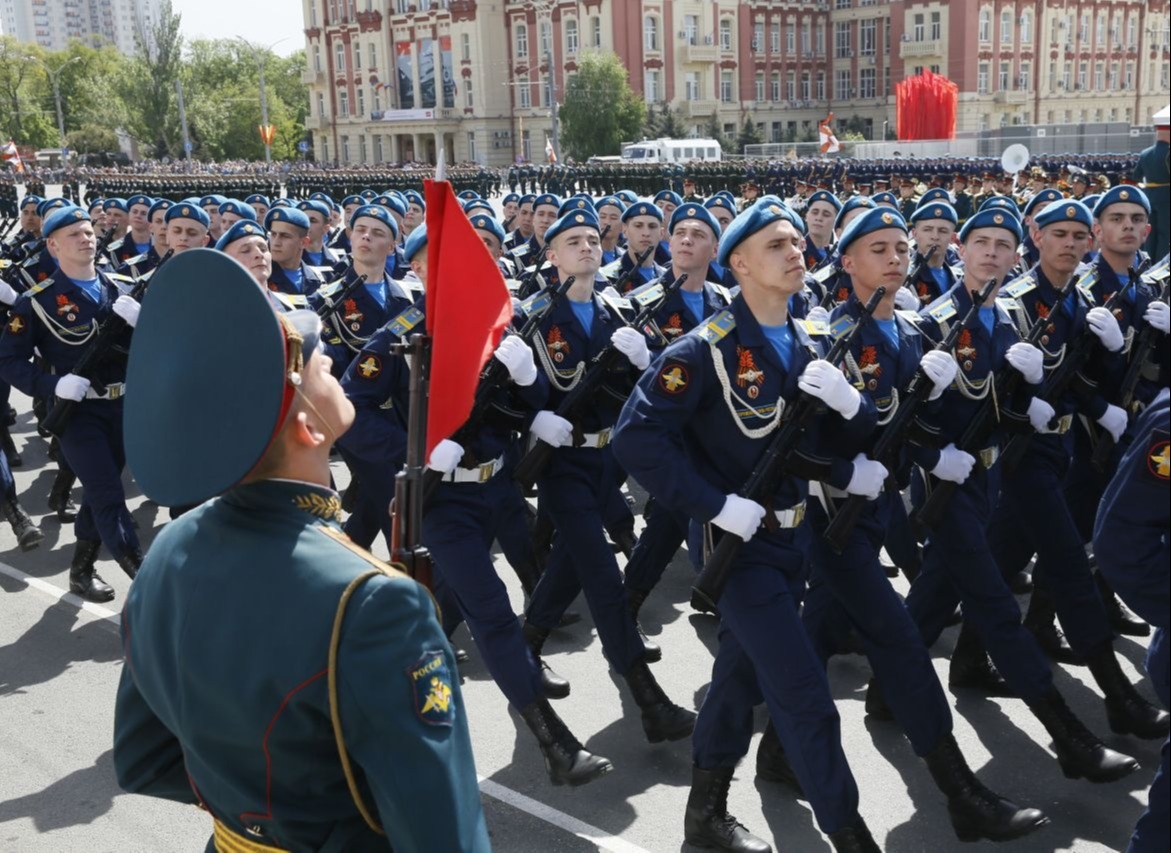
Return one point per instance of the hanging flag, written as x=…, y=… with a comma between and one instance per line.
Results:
x=550, y=154
x=829, y=142
x=468, y=308
x=10, y=155
x=267, y=133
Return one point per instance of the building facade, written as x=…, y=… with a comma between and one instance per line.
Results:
x=400, y=80
x=53, y=24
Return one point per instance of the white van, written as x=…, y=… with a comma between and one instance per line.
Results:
x=671, y=151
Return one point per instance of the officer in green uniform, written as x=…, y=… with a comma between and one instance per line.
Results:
x=276, y=674
x=1154, y=170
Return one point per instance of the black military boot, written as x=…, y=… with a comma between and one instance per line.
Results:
x=1122, y=619
x=1127, y=712
x=1041, y=620
x=9, y=446
x=566, y=761
x=60, y=500
x=855, y=838
x=706, y=822
x=28, y=535
x=130, y=562
x=975, y=811
x=772, y=765
x=1079, y=751
x=552, y=684
x=83, y=577
x=971, y=669
x=661, y=718
x=653, y=652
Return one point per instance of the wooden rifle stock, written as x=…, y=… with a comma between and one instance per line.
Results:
x=406, y=527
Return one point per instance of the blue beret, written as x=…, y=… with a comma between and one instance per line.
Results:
x=375, y=211
x=511, y=197
x=697, y=212
x=479, y=204
x=195, y=201
x=416, y=240
x=721, y=201
x=48, y=205
x=115, y=203
x=935, y=194
x=991, y=217
x=238, y=231
x=34, y=200
x=224, y=427
x=887, y=198
x=609, y=201
x=96, y=204
x=938, y=210
x=184, y=210
x=63, y=217
x=1041, y=199
x=468, y=195
x=139, y=198
x=314, y=206
x=291, y=215
x=728, y=195
x=576, y=202
x=875, y=219
x=527, y=198
x=763, y=212
x=627, y=196
x=283, y=202
x=1065, y=210
x=1091, y=201
x=413, y=197
x=392, y=203
x=352, y=199
x=576, y=219
x=483, y=222
x=214, y=198
x=668, y=195
x=826, y=196
x=322, y=197
x=161, y=204
x=239, y=208
x=643, y=208
x=854, y=202
x=547, y=199
x=1003, y=202
x=256, y=198
x=1122, y=194
x=368, y=194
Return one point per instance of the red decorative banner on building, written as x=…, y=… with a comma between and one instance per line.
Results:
x=926, y=107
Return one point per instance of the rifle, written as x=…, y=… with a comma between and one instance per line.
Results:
x=57, y=421
x=1142, y=349
x=917, y=267
x=985, y=422
x=328, y=304
x=406, y=511
x=494, y=377
x=534, y=462
x=896, y=432
x=827, y=301
x=709, y=586
x=103, y=243
x=639, y=260
x=1061, y=380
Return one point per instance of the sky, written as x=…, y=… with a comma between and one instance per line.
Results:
x=262, y=22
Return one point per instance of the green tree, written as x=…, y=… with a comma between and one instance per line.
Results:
x=650, y=127
x=749, y=135
x=153, y=117
x=713, y=130
x=22, y=113
x=600, y=109
x=92, y=139
x=670, y=127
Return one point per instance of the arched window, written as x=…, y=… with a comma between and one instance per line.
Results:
x=985, y=25
x=650, y=33
x=522, y=41
x=1006, y=26
x=1027, y=28
x=571, y=37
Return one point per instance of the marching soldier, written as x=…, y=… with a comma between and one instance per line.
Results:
x=288, y=236
x=642, y=225
x=1154, y=170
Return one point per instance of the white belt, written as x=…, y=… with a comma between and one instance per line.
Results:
x=1063, y=425
x=595, y=439
x=480, y=474
x=113, y=391
x=791, y=517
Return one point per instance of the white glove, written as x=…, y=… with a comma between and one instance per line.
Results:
x=740, y=517
x=868, y=477
x=1028, y=361
x=954, y=465
x=552, y=428
x=8, y=294
x=1113, y=421
x=1103, y=324
x=515, y=354
x=1158, y=314
x=828, y=384
x=71, y=387
x=907, y=300
x=817, y=314
x=445, y=456
x=940, y=368
x=127, y=308
x=1040, y=414
x=631, y=343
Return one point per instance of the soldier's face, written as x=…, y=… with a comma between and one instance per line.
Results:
x=989, y=253
x=933, y=232
x=771, y=261
x=1062, y=245
x=878, y=259
x=609, y=215
x=693, y=247
x=286, y=242
x=29, y=221
x=253, y=253
x=213, y=213
x=642, y=232
x=414, y=217
x=316, y=227
x=371, y=241
x=228, y=219
x=184, y=234
x=819, y=219
x=73, y=245
x=1122, y=228
x=261, y=211
x=722, y=216
x=525, y=220
x=509, y=210
x=138, y=218
x=543, y=217
x=494, y=247
x=158, y=229
x=116, y=219
x=577, y=252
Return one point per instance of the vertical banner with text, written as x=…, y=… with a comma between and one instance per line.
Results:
x=426, y=73
x=448, y=71
x=406, y=75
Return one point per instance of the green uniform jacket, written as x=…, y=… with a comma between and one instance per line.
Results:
x=224, y=696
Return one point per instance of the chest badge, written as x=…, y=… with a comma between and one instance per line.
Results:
x=869, y=367
x=556, y=344
x=673, y=328
x=965, y=351
x=352, y=315
x=748, y=375
x=66, y=308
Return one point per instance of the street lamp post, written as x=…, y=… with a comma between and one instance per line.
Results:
x=261, y=57
x=54, y=79
x=544, y=10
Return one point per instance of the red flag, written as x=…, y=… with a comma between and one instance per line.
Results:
x=468, y=308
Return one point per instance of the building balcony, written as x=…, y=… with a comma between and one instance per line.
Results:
x=702, y=108
x=913, y=49
x=312, y=78
x=313, y=122
x=701, y=53
x=1015, y=96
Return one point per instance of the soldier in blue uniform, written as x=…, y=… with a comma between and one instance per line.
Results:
x=934, y=226
x=1131, y=538
x=188, y=227
x=642, y=225
x=316, y=754
x=317, y=254
x=691, y=433
x=136, y=240
x=57, y=319
x=820, y=212
x=142, y=263
x=288, y=235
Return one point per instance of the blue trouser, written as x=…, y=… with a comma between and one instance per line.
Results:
x=764, y=652
x=958, y=567
x=575, y=491
x=853, y=585
x=657, y=545
x=1084, y=485
x=512, y=529
x=458, y=528
x=900, y=542
x=1032, y=510
x=93, y=448
x=371, y=513
x=1152, y=833
x=7, y=481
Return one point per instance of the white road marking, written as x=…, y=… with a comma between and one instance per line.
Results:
x=496, y=791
